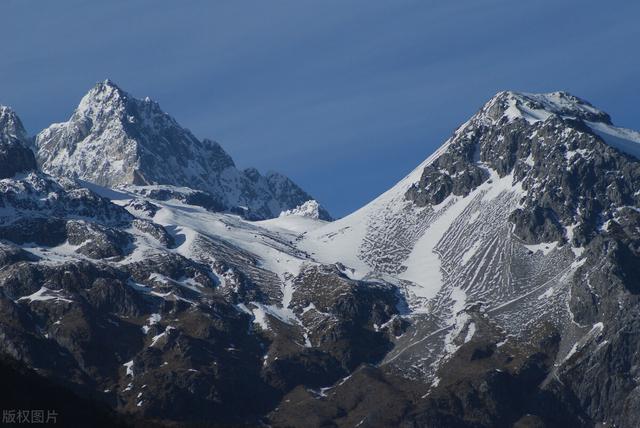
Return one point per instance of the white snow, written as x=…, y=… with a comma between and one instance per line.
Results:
x=308, y=308
x=152, y=320
x=285, y=245
x=260, y=312
x=292, y=223
x=546, y=294
x=625, y=140
x=471, y=330
x=544, y=247
x=460, y=322
x=595, y=330
x=473, y=217
x=539, y=107
x=44, y=294
x=129, y=366
x=157, y=337
x=459, y=298
x=340, y=240
x=110, y=152
x=530, y=115
x=423, y=264
x=260, y=317
x=470, y=252
x=309, y=209
x=55, y=255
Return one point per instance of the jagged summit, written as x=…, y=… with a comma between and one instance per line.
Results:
x=11, y=128
x=107, y=101
x=551, y=144
x=538, y=107
x=114, y=139
x=15, y=156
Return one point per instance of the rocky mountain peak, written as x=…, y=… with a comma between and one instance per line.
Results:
x=534, y=108
x=552, y=145
x=15, y=156
x=108, y=108
x=114, y=139
x=103, y=91
x=11, y=128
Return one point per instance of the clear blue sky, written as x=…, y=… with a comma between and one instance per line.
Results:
x=345, y=97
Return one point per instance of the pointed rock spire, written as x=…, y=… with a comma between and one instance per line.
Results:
x=15, y=155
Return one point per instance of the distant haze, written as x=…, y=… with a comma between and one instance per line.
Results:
x=345, y=97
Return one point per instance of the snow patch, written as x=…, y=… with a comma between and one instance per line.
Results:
x=129, y=366
x=544, y=247
x=44, y=294
x=625, y=140
x=471, y=330
x=260, y=312
x=310, y=209
x=470, y=252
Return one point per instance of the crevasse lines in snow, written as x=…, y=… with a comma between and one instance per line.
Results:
x=208, y=250
x=391, y=236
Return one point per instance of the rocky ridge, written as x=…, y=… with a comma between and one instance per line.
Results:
x=495, y=285
x=113, y=139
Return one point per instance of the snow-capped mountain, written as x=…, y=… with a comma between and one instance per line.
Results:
x=113, y=139
x=495, y=285
x=510, y=233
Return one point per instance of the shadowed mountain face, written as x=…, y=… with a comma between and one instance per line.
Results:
x=15, y=157
x=495, y=285
x=114, y=139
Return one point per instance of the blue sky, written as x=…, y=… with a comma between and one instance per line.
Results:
x=345, y=97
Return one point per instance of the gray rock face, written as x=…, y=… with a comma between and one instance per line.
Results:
x=96, y=241
x=536, y=225
x=289, y=193
x=15, y=156
x=114, y=139
x=559, y=161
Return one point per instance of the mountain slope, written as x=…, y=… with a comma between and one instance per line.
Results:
x=495, y=285
x=500, y=228
x=113, y=139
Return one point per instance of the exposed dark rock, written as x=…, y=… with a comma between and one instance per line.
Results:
x=452, y=173
x=143, y=207
x=95, y=241
x=15, y=156
x=56, y=403
x=155, y=230
x=188, y=196
x=537, y=225
x=41, y=231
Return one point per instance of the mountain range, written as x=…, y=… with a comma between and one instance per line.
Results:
x=495, y=285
